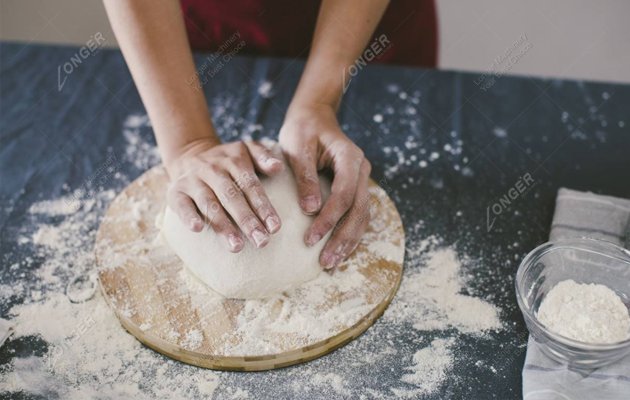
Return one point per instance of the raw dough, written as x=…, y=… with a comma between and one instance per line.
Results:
x=285, y=263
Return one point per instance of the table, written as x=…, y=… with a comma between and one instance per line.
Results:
x=60, y=127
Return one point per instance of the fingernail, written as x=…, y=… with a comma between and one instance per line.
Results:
x=272, y=161
x=273, y=223
x=313, y=238
x=311, y=204
x=260, y=238
x=236, y=243
x=331, y=260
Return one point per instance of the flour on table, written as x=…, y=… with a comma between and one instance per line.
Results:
x=590, y=313
x=265, y=89
x=428, y=370
x=88, y=354
x=433, y=296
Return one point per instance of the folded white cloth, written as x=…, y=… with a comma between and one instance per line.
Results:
x=6, y=328
x=580, y=214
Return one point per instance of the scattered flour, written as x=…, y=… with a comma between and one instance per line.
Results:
x=87, y=354
x=499, y=132
x=429, y=369
x=431, y=297
x=265, y=89
x=427, y=143
x=332, y=380
x=590, y=313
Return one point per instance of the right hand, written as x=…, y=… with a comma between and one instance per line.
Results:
x=217, y=184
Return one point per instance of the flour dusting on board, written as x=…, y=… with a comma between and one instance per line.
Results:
x=88, y=354
x=297, y=318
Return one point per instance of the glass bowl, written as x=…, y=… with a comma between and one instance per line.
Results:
x=584, y=261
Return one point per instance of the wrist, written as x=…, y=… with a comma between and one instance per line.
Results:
x=302, y=111
x=322, y=84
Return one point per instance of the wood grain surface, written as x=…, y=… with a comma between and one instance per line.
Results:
x=164, y=307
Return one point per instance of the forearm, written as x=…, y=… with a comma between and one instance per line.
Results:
x=342, y=33
x=153, y=40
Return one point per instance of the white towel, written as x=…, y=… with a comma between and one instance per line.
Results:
x=580, y=214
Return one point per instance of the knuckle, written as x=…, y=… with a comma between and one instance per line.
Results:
x=240, y=151
x=251, y=182
x=307, y=178
x=210, y=206
x=246, y=180
x=238, y=163
x=367, y=166
x=214, y=168
x=350, y=149
x=357, y=153
x=228, y=190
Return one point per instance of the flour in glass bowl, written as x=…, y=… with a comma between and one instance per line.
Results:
x=589, y=313
x=88, y=354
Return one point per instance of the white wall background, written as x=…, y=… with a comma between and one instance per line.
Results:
x=587, y=39
x=583, y=39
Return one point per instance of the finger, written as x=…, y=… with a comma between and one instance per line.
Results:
x=263, y=158
x=304, y=166
x=351, y=227
x=233, y=201
x=250, y=185
x=215, y=216
x=185, y=209
x=341, y=198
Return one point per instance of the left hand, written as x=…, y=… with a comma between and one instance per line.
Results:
x=311, y=140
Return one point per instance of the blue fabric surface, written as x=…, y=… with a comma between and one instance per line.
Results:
x=562, y=133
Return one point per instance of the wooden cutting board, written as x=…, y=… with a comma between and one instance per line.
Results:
x=164, y=307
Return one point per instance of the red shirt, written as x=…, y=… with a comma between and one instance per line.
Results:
x=285, y=28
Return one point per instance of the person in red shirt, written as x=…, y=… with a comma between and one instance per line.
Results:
x=216, y=183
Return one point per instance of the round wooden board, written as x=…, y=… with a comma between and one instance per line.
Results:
x=159, y=302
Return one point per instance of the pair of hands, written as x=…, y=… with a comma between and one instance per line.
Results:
x=217, y=184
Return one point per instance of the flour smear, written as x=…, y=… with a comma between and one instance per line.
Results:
x=412, y=351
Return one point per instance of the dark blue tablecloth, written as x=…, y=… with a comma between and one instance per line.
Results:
x=560, y=133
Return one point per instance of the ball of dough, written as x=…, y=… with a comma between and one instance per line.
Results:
x=285, y=263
